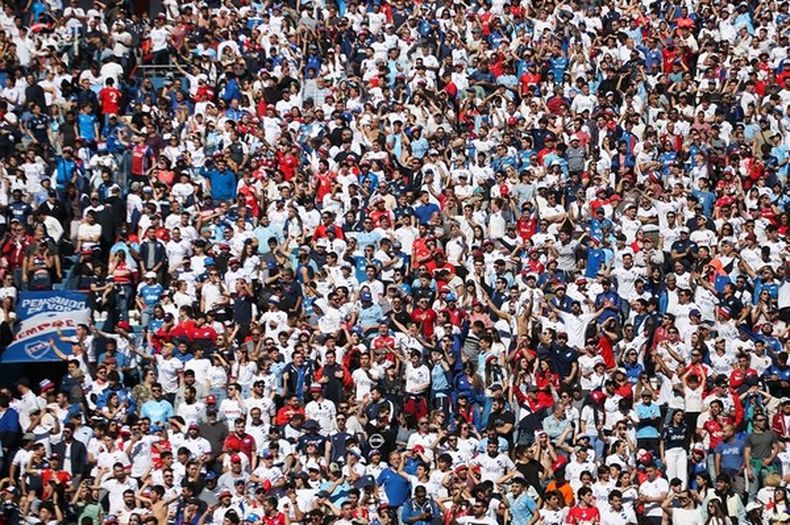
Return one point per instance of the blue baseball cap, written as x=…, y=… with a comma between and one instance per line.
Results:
x=450, y=297
x=365, y=296
x=208, y=261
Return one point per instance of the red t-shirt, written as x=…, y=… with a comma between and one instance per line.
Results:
x=204, y=332
x=110, y=100
x=583, y=516
x=278, y=519
x=456, y=315
x=425, y=319
x=382, y=341
x=715, y=429
x=245, y=443
x=285, y=414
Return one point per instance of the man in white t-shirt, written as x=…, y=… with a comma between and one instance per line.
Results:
x=652, y=492
x=321, y=410
x=361, y=377
x=168, y=367
x=116, y=485
x=615, y=513
x=493, y=464
x=418, y=376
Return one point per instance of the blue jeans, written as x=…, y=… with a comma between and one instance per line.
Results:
x=145, y=316
x=123, y=298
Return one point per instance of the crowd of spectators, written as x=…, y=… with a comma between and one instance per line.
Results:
x=371, y=262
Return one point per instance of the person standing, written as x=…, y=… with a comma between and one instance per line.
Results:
x=673, y=448
x=652, y=493
x=760, y=452
x=521, y=508
x=585, y=511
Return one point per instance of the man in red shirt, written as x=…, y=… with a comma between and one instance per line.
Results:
x=530, y=78
x=14, y=251
x=455, y=314
x=327, y=218
x=271, y=515
x=584, y=513
x=439, y=263
x=714, y=426
x=240, y=441
x=384, y=341
x=110, y=99
x=422, y=248
x=203, y=333
x=287, y=412
x=424, y=317
x=142, y=157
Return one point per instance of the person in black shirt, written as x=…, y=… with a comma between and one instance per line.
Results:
x=683, y=249
x=382, y=433
x=34, y=94
x=38, y=126
x=529, y=467
x=242, y=308
x=729, y=300
x=502, y=419
x=291, y=302
x=312, y=436
x=399, y=317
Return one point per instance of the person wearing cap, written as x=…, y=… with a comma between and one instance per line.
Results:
x=199, y=447
x=236, y=469
x=149, y=295
x=226, y=509
x=684, y=248
x=321, y=410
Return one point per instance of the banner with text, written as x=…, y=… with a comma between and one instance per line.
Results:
x=41, y=315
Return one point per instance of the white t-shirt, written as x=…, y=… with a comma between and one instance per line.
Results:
x=651, y=489
x=159, y=38
x=586, y=364
x=116, y=489
x=232, y=411
x=168, y=373
x=362, y=382
x=491, y=469
x=418, y=379
x=323, y=413
x=614, y=517
x=625, y=279
x=553, y=517
x=576, y=327
x=200, y=367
